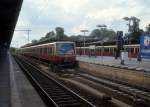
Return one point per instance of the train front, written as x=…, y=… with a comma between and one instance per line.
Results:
x=66, y=53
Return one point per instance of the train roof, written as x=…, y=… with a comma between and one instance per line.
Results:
x=47, y=44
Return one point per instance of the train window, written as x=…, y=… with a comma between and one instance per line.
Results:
x=106, y=50
x=132, y=50
x=50, y=50
x=35, y=50
x=65, y=48
x=100, y=49
x=45, y=50
x=40, y=50
x=136, y=50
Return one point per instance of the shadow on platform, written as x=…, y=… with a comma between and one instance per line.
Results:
x=4, y=80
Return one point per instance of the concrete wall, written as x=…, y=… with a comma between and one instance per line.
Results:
x=137, y=78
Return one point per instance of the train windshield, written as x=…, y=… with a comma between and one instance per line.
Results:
x=65, y=48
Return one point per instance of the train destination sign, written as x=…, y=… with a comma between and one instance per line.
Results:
x=145, y=45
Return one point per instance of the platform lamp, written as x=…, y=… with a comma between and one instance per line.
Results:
x=101, y=26
x=84, y=32
x=102, y=41
x=132, y=28
x=129, y=30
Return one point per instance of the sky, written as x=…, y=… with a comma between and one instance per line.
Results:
x=42, y=16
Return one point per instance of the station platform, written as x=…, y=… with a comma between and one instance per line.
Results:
x=15, y=89
x=111, y=61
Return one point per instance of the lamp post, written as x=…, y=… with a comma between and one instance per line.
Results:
x=102, y=41
x=129, y=30
x=84, y=31
x=134, y=27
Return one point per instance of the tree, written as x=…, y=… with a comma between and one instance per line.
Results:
x=148, y=29
x=59, y=33
x=65, y=38
x=95, y=33
x=103, y=33
x=34, y=41
x=50, y=34
x=42, y=38
x=136, y=35
x=75, y=37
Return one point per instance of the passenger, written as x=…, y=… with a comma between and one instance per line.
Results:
x=139, y=59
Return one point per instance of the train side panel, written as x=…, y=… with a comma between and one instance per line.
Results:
x=108, y=50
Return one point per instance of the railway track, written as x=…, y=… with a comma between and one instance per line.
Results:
x=123, y=92
x=53, y=92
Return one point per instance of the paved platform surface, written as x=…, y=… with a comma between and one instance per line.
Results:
x=22, y=92
x=15, y=89
x=4, y=81
x=111, y=61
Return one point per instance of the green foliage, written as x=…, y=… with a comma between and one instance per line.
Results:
x=148, y=29
x=95, y=33
x=50, y=35
x=135, y=35
x=65, y=38
x=59, y=33
x=75, y=38
x=103, y=33
x=34, y=41
x=42, y=38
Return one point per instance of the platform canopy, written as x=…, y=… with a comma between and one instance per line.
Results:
x=9, y=12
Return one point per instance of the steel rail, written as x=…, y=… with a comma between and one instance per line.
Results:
x=55, y=93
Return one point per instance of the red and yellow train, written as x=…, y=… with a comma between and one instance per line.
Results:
x=64, y=53
x=107, y=50
x=56, y=53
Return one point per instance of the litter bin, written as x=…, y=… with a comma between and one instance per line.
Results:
x=124, y=56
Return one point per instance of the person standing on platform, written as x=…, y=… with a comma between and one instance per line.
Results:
x=139, y=59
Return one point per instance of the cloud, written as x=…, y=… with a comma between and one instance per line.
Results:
x=42, y=16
